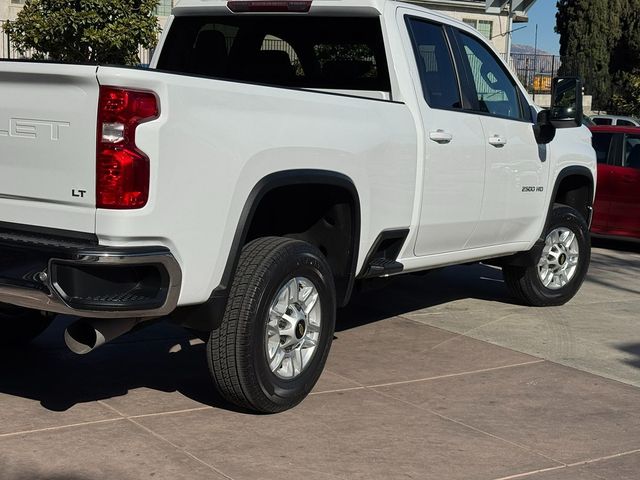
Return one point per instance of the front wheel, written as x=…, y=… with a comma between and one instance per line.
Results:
x=562, y=267
x=277, y=328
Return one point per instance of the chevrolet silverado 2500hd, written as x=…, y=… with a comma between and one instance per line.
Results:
x=274, y=155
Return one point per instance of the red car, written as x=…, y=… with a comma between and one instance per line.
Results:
x=617, y=207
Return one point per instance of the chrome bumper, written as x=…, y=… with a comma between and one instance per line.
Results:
x=87, y=280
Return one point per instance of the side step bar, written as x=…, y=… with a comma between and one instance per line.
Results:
x=382, y=259
x=380, y=267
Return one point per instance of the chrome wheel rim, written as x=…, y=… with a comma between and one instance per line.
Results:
x=293, y=328
x=559, y=261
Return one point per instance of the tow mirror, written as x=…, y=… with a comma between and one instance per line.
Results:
x=566, y=102
x=565, y=112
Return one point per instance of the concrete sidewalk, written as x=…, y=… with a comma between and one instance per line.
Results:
x=437, y=377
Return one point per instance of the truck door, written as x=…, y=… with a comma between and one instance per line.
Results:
x=454, y=152
x=625, y=201
x=606, y=146
x=517, y=169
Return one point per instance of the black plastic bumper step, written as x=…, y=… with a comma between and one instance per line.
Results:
x=380, y=267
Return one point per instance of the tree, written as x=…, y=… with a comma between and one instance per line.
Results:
x=78, y=31
x=625, y=63
x=626, y=99
x=589, y=32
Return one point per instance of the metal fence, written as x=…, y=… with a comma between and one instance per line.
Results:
x=5, y=44
x=8, y=51
x=535, y=71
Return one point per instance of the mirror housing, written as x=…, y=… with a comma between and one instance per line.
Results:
x=543, y=130
x=565, y=112
x=566, y=102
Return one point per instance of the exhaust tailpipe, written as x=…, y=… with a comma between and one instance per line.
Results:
x=85, y=335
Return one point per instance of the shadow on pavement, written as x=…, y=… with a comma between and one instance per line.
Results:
x=169, y=359
x=634, y=349
x=409, y=293
x=632, y=246
x=45, y=476
x=608, y=266
x=161, y=357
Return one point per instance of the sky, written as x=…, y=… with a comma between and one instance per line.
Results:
x=543, y=13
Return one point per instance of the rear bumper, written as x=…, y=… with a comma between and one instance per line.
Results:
x=79, y=277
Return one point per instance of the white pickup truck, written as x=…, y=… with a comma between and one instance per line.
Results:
x=274, y=155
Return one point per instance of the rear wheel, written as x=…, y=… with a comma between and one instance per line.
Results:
x=278, y=326
x=562, y=266
x=21, y=325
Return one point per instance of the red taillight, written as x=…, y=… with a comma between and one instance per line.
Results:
x=269, y=6
x=122, y=169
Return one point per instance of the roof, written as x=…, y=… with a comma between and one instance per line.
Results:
x=377, y=5
x=324, y=7
x=613, y=129
x=615, y=117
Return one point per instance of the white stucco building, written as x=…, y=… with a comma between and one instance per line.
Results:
x=9, y=9
x=493, y=18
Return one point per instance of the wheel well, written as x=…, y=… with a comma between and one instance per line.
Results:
x=576, y=191
x=326, y=216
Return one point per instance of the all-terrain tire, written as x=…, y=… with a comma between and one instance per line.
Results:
x=526, y=284
x=238, y=352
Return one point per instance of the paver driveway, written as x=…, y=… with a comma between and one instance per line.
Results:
x=436, y=377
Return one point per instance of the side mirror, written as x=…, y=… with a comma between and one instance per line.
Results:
x=565, y=112
x=566, y=102
x=543, y=130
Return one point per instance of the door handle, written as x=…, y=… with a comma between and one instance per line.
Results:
x=440, y=136
x=497, y=141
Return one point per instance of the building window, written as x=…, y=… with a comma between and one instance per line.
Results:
x=164, y=8
x=485, y=27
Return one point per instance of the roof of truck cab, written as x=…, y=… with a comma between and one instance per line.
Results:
x=614, y=129
x=187, y=6
x=321, y=7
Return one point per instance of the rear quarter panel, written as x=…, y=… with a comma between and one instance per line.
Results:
x=215, y=140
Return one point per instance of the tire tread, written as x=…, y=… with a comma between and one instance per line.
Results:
x=229, y=351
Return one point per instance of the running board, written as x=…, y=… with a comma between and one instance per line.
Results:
x=381, y=267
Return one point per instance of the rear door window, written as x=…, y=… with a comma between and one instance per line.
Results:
x=435, y=64
x=631, y=157
x=281, y=50
x=602, y=146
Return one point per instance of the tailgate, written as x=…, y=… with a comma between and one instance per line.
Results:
x=48, y=145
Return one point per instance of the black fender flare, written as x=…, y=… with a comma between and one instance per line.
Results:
x=571, y=171
x=207, y=316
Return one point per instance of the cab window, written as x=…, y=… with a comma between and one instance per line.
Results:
x=435, y=64
x=495, y=90
x=280, y=50
x=602, y=121
x=632, y=151
x=602, y=145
